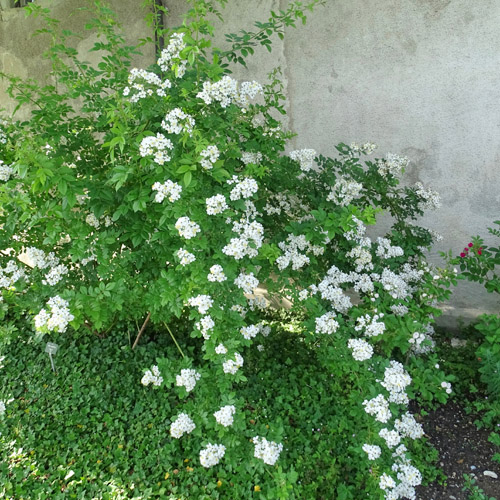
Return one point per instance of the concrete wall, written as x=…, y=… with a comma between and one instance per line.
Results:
x=417, y=77
x=21, y=53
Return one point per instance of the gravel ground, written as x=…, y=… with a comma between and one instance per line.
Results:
x=463, y=449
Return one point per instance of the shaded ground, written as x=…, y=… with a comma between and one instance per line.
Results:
x=463, y=449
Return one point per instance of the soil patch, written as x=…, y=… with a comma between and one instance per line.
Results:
x=463, y=449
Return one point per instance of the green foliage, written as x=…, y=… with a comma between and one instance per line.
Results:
x=474, y=491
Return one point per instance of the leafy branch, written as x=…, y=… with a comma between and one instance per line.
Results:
x=243, y=43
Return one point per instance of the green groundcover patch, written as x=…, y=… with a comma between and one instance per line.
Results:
x=91, y=430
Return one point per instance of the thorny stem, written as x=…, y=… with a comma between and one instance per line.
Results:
x=173, y=338
x=146, y=321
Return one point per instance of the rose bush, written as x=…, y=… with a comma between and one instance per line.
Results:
x=164, y=196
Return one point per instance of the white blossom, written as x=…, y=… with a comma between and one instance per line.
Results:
x=187, y=378
x=171, y=55
x=58, y=318
x=212, y=455
x=209, y=156
x=177, y=122
x=265, y=450
x=232, y=366
x=158, y=146
x=225, y=415
x=216, y=274
x=202, y=302
x=168, y=189
x=361, y=350
x=187, y=228
x=216, y=204
x=182, y=425
x=243, y=188
x=185, y=257
x=305, y=157
x=373, y=451
x=247, y=282
x=152, y=376
x=326, y=324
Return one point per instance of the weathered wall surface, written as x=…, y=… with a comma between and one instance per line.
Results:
x=21, y=53
x=417, y=77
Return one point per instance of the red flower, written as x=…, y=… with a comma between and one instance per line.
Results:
x=479, y=252
x=462, y=255
x=470, y=245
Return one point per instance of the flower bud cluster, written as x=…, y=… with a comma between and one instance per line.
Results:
x=212, y=455
x=399, y=309
x=3, y=135
x=187, y=379
x=92, y=220
x=168, y=189
x=248, y=157
x=157, y=146
x=265, y=450
x=225, y=416
x=182, y=425
x=187, y=228
x=152, y=376
x=357, y=149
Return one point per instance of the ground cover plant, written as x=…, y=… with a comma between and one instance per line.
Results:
x=164, y=198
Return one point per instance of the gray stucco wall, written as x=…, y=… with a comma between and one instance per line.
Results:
x=417, y=77
x=21, y=53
